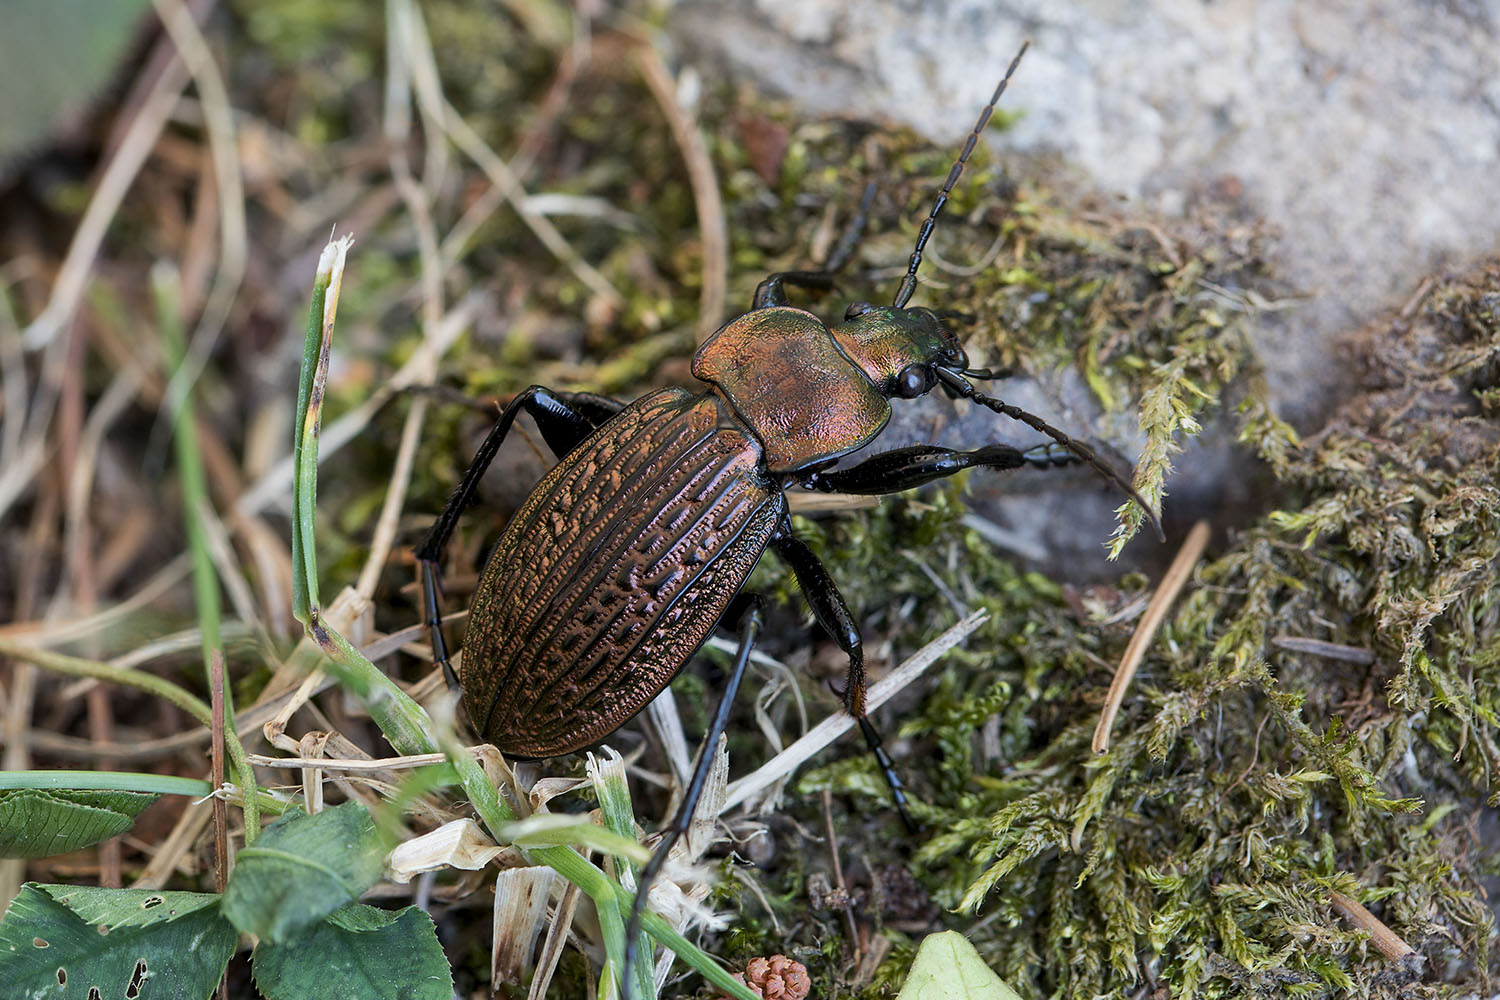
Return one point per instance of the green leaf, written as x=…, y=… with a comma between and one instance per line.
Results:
x=64, y=941
x=302, y=869
x=358, y=953
x=118, y=909
x=36, y=823
x=948, y=968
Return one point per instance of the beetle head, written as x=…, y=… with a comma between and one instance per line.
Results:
x=901, y=350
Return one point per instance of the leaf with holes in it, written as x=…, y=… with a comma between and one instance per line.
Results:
x=371, y=953
x=947, y=967
x=61, y=941
x=302, y=869
x=36, y=824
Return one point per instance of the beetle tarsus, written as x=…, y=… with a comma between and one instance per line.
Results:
x=432, y=617
x=888, y=769
x=958, y=387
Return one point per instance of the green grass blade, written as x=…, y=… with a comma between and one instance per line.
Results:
x=165, y=287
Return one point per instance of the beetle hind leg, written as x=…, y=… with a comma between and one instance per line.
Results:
x=772, y=291
x=833, y=615
x=747, y=610
x=565, y=420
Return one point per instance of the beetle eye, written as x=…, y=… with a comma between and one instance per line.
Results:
x=913, y=381
x=857, y=309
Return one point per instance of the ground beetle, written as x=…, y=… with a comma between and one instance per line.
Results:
x=635, y=546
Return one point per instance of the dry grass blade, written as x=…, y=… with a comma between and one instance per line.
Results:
x=218, y=116
x=557, y=939
x=704, y=183
x=668, y=724
x=1156, y=612
x=521, y=898
x=459, y=843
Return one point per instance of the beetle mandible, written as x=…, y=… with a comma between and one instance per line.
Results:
x=629, y=553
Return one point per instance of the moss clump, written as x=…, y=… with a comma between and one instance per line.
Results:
x=1250, y=777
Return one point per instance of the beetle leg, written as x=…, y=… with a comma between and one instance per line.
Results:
x=562, y=425
x=833, y=615
x=1049, y=455
x=597, y=410
x=771, y=291
x=905, y=468
x=747, y=609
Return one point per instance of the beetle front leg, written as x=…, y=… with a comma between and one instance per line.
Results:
x=565, y=420
x=905, y=468
x=833, y=615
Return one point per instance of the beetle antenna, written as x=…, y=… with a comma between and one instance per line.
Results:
x=957, y=386
x=909, y=283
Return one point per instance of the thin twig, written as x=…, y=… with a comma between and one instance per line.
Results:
x=216, y=771
x=1320, y=647
x=1388, y=941
x=1156, y=613
x=838, y=867
x=354, y=764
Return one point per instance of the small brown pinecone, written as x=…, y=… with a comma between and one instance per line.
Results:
x=777, y=978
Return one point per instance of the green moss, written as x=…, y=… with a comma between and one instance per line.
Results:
x=1245, y=782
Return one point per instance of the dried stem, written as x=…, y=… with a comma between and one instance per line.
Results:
x=1156, y=613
